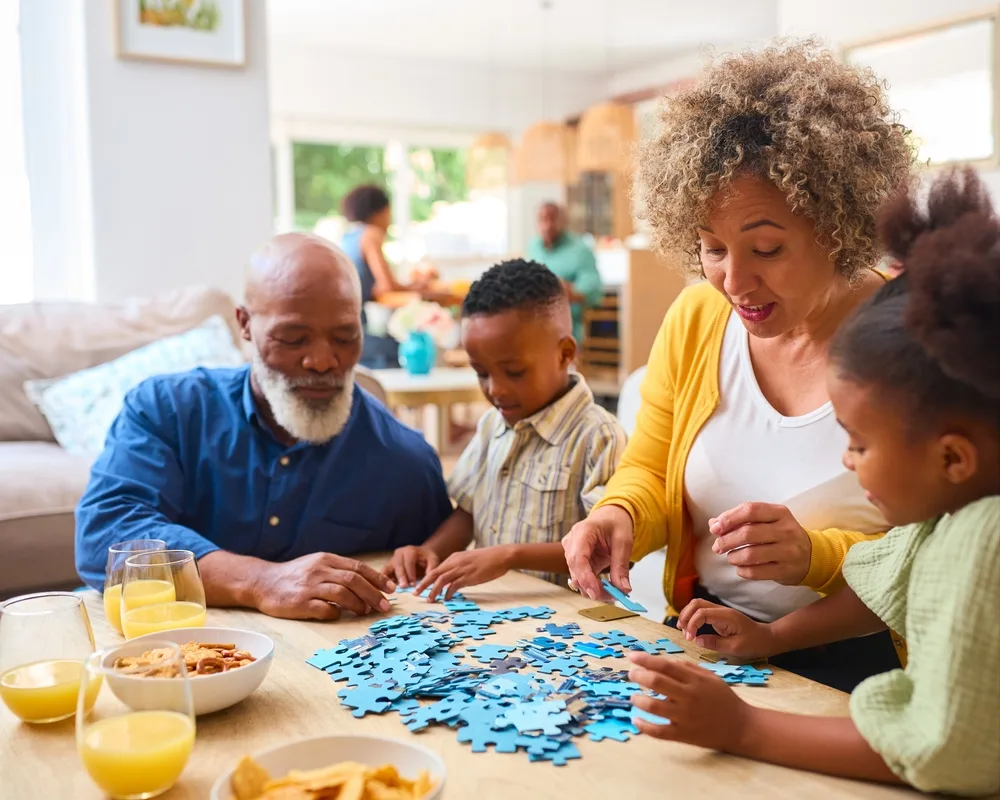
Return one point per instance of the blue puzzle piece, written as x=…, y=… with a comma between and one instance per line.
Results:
x=614, y=688
x=544, y=716
x=472, y=632
x=399, y=672
x=753, y=672
x=514, y=684
x=444, y=710
x=614, y=637
x=521, y=612
x=622, y=598
x=559, y=757
x=404, y=706
x=457, y=606
x=659, y=646
x=754, y=680
x=638, y=713
x=596, y=650
x=544, y=642
x=485, y=653
x=613, y=728
x=368, y=699
x=391, y=623
x=477, y=619
x=565, y=665
x=567, y=631
x=355, y=672
x=721, y=668
x=334, y=657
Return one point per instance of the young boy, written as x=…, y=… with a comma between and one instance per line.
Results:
x=540, y=458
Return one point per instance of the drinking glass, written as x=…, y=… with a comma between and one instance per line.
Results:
x=44, y=640
x=135, y=740
x=114, y=572
x=161, y=590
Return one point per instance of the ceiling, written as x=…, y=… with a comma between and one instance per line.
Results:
x=587, y=36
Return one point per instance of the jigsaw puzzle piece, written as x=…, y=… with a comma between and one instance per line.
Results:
x=567, y=631
x=522, y=612
x=543, y=642
x=559, y=757
x=460, y=605
x=444, y=710
x=472, y=632
x=597, y=651
x=485, y=653
x=721, y=668
x=614, y=637
x=544, y=716
x=612, y=728
x=501, y=666
x=333, y=657
x=565, y=665
x=368, y=699
x=665, y=646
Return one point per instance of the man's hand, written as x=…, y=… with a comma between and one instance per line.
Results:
x=466, y=568
x=411, y=563
x=737, y=634
x=319, y=586
x=763, y=542
x=602, y=540
x=701, y=707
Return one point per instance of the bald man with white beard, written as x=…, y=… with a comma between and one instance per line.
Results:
x=274, y=474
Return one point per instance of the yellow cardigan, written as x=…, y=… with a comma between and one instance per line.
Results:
x=680, y=391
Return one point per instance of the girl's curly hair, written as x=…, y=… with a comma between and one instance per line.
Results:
x=821, y=131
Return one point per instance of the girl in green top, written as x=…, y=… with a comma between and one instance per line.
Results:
x=915, y=382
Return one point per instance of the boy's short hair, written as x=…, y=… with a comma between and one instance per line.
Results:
x=364, y=202
x=519, y=284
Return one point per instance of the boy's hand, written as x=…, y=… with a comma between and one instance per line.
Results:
x=409, y=563
x=466, y=568
x=701, y=707
x=737, y=633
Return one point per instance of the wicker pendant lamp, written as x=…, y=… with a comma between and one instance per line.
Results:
x=604, y=138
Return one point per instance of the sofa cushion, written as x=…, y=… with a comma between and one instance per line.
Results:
x=39, y=478
x=81, y=407
x=40, y=485
x=48, y=340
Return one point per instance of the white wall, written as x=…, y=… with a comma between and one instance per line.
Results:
x=162, y=172
x=315, y=83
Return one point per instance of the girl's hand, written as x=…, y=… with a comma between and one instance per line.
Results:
x=763, y=542
x=465, y=568
x=701, y=707
x=737, y=634
x=409, y=563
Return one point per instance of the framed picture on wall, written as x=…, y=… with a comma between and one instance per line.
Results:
x=206, y=32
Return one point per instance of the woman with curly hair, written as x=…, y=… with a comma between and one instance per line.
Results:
x=769, y=173
x=914, y=379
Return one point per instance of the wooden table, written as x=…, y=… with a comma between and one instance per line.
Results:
x=297, y=701
x=441, y=388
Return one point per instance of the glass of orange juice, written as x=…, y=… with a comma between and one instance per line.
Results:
x=161, y=590
x=114, y=573
x=135, y=740
x=44, y=640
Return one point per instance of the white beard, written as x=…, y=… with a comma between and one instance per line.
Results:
x=313, y=421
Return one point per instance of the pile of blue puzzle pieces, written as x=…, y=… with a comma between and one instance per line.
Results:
x=496, y=702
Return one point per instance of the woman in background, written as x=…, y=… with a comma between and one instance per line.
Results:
x=367, y=209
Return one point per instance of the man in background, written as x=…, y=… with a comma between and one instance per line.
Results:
x=568, y=256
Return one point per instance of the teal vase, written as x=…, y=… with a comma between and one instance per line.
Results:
x=418, y=353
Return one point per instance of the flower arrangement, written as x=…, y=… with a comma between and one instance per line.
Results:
x=428, y=317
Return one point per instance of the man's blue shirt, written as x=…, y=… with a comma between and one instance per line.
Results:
x=190, y=461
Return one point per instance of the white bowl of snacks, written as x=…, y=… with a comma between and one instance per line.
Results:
x=224, y=665
x=365, y=764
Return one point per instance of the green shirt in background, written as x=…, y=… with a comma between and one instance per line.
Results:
x=936, y=723
x=572, y=261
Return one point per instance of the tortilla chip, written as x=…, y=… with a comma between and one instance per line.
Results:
x=248, y=779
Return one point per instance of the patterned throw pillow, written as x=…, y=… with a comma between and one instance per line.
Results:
x=81, y=407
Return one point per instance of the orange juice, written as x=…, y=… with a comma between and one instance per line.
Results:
x=147, y=593
x=162, y=617
x=138, y=754
x=45, y=691
x=113, y=606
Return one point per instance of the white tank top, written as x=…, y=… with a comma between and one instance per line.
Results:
x=748, y=452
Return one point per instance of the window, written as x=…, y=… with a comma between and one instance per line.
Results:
x=16, y=286
x=435, y=214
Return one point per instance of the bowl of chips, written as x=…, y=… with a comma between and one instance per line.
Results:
x=225, y=666
x=336, y=768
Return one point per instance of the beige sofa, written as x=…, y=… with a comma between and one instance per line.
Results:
x=40, y=484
